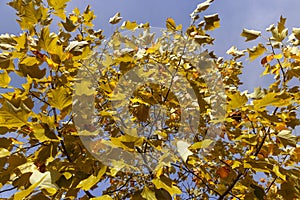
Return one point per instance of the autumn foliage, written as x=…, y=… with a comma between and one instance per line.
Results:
x=246, y=149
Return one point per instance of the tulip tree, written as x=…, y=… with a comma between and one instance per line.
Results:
x=243, y=146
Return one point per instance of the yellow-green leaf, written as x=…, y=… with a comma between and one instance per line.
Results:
x=30, y=61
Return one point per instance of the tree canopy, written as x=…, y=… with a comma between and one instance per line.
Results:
x=147, y=113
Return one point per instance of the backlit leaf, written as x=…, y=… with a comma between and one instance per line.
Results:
x=236, y=100
x=4, y=79
x=10, y=116
x=86, y=184
x=256, y=51
x=148, y=194
x=60, y=98
x=287, y=138
x=167, y=184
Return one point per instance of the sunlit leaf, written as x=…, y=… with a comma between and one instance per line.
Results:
x=4, y=79
x=167, y=184
x=60, y=98
x=86, y=184
x=212, y=22
x=115, y=19
x=250, y=34
x=11, y=116
x=256, y=51
x=148, y=194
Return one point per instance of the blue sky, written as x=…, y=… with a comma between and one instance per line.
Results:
x=235, y=15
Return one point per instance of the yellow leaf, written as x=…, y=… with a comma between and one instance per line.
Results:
x=115, y=19
x=4, y=152
x=50, y=63
x=278, y=173
x=129, y=25
x=148, y=194
x=28, y=191
x=86, y=184
x=4, y=79
x=104, y=197
x=59, y=7
x=59, y=98
x=11, y=117
x=170, y=24
x=212, y=22
x=30, y=61
x=256, y=51
x=236, y=100
x=167, y=184
x=267, y=100
x=250, y=34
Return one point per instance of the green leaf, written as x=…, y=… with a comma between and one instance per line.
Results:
x=250, y=34
x=148, y=194
x=236, y=100
x=286, y=138
x=256, y=51
x=11, y=117
x=4, y=79
x=60, y=98
x=166, y=184
x=88, y=183
x=4, y=152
